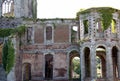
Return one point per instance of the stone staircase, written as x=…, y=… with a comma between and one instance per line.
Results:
x=3, y=76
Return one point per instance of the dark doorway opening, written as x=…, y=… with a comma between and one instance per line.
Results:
x=48, y=66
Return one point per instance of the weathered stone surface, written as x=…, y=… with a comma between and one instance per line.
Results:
x=11, y=75
x=3, y=76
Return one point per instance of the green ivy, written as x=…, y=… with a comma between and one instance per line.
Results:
x=5, y=32
x=4, y=55
x=106, y=17
x=8, y=55
x=105, y=13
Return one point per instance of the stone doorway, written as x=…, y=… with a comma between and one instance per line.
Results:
x=26, y=72
x=74, y=65
x=48, y=66
x=101, y=62
x=87, y=62
x=115, y=61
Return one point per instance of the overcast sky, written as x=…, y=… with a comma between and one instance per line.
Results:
x=69, y=8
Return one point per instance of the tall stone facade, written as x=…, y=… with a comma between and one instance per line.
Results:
x=46, y=50
x=101, y=43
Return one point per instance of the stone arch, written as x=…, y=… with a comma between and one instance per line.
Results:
x=87, y=58
x=115, y=61
x=101, y=61
x=26, y=71
x=48, y=66
x=72, y=55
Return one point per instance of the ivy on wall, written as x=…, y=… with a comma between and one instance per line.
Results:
x=105, y=14
x=8, y=55
x=5, y=32
x=106, y=17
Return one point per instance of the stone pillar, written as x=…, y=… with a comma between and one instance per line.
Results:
x=17, y=8
x=118, y=63
x=0, y=8
x=82, y=65
x=93, y=63
x=109, y=64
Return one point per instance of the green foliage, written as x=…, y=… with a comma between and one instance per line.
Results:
x=8, y=56
x=20, y=30
x=5, y=32
x=82, y=11
x=4, y=55
x=105, y=13
x=106, y=17
x=76, y=65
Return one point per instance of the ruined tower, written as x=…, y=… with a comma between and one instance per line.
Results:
x=99, y=35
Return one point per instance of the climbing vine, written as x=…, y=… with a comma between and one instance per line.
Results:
x=105, y=14
x=106, y=17
x=5, y=32
x=8, y=55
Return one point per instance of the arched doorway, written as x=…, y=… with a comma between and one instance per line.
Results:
x=115, y=61
x=48, y=66
x=26, y=71
x=101, y=62
x=74, y=65
x=87, y=62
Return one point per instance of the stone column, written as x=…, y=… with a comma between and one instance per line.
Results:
x=118, y=63
x=109, y=64
x=93, y=63
x=82, y=65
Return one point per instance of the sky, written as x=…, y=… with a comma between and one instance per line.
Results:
x=69, y=8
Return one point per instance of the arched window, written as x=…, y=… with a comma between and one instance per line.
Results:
x=8, y=8
x=30, y=35
x=48, y=33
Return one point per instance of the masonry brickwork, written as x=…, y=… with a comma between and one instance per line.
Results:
x=46, y=49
